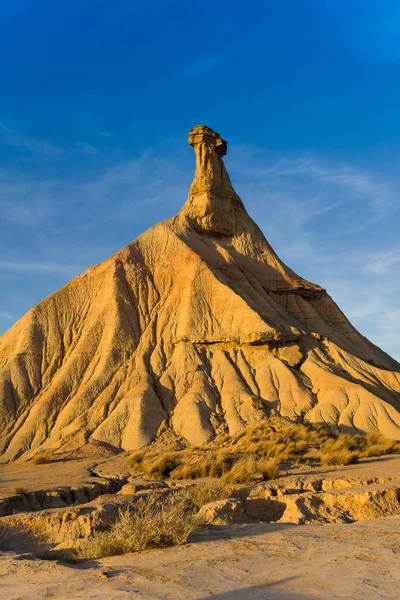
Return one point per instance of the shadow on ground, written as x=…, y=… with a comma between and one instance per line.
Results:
x=222, y=532
x=261, y=592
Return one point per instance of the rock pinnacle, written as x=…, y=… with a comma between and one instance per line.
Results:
x=213, y=204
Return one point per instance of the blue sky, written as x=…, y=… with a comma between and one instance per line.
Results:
x=97, y=97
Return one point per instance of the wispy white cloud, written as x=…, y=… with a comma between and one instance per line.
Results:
x=32, y=145
x=86, y=148
x=310, y=186
x=43, y=149
x=115, y=194
x=26, y=202
x=383, y=261
x=6, y=315
x=38, y=267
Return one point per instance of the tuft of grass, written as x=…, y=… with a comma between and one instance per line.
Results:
x=151, y=524
x=162, y=466
x=135, y=459
x=230, y=467
x=43, y=458
x=209, y=464
x=377, y=445
x=269, y=469
x=18, y=490
x=208, y=492
x=154, y=523
x=339, y=457
x=248, y=468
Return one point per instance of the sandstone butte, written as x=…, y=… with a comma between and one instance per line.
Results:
x=194, y=329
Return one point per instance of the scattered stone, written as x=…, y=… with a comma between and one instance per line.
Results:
x=133, y=488
x=222, y=512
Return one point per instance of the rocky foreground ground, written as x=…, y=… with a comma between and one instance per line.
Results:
x=251, y=562
x=334, y=534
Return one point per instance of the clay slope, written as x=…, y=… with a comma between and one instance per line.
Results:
x=195, y=328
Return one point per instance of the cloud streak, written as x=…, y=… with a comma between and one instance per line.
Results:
x=383, y=262
x=6, y=315
x=38, y=267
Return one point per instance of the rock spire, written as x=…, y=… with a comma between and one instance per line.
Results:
x=213, y=204
x=194, y=329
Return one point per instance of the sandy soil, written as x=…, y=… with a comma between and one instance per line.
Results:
x=44, y=477
x=251, y=562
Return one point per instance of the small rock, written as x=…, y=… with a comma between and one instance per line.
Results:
x=132, y=488
x=105, y=574
x=222, y=512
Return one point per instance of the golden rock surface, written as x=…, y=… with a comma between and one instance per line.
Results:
x=195, y=328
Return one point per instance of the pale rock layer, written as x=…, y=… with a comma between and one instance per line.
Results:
x=196, y=328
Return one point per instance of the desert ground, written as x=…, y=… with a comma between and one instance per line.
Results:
x=282, y=561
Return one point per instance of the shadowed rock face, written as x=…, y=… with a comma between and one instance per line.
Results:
x=194, y=329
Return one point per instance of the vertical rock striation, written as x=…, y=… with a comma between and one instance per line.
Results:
x=194, y=329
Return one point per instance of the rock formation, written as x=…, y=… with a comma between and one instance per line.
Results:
x=194, y=329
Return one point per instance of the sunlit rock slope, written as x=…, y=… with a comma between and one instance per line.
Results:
x=195, y=328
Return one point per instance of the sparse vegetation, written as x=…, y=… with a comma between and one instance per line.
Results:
x=340, y=457
x=231, y=467
x=256, y=453
x=43, y=458
x=18, y=490
x=260, y=451
x=153, y=523
x=208, y=492
x=246, y=469
x=376, y=444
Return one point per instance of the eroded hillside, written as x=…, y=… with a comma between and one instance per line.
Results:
x=195, y=328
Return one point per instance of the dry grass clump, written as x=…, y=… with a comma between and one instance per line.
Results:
x=209, y=464
x=207, y=492
x=18, y=490
x=135, y=459
x=340, y=457
x=280, y=439
x=150, y=522
x=43, y=458
x=231, y=467
x=347, y=449
x=260, y=450
x=246, y=469
x=285, y=441
x=153, y=523
x=377, y=445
